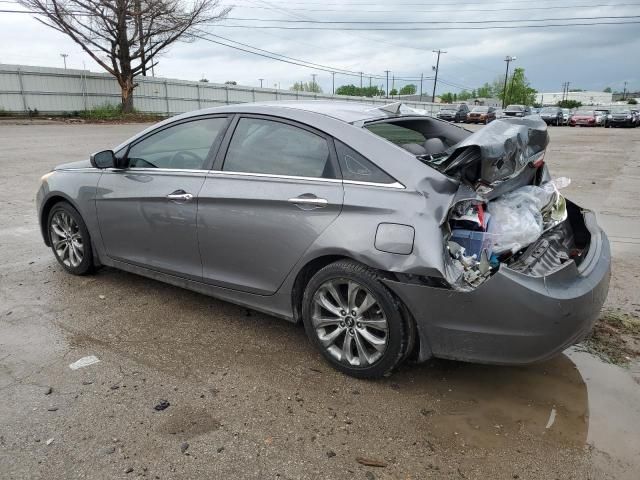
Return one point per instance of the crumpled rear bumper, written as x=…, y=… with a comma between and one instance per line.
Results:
x=513, y=318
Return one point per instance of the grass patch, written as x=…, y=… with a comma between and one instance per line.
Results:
x=3, y=112
x=108, y=112
x=615, y=338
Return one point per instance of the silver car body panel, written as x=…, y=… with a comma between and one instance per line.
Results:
x=241, y=239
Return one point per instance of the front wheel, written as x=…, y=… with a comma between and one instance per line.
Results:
x=70, y=239
x=355, y=321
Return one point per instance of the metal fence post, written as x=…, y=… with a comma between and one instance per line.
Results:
x=83, y=79
x=24, y=100
x=226, y=98
x=253, y=94
x=166, y=95
x=198, y=91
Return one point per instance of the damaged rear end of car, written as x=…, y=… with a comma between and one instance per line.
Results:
x=526, y=271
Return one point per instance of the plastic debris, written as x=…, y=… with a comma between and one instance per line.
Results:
x=84, y=362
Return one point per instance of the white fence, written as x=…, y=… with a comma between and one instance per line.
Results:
x=56, y=90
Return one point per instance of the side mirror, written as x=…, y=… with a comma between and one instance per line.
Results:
x=104, y=159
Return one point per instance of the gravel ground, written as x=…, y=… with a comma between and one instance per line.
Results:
x=248, y=396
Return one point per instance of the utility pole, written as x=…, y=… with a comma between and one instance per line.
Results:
x=435, y=80
x=261, y=80
x=65, y=55
x=421, y=80
x=387, y=92
x=393, y=83
x=624, y=92
x=313, y=84
x=361, y=80
x=333, y=83
x=507, y=59
x=369, y=82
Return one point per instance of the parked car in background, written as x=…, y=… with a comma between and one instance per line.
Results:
x=566, y=115
x=602, y=117
x=636, y=116
x=481, y=114
x=536, y=111
x=454, y=113
x=583, y=118
x=621, y=118
x=500, y=113
x=517, y=111
x=552, y=116
x=367, y=225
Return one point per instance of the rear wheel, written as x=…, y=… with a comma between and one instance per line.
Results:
x=355, y=321
x=70, y=239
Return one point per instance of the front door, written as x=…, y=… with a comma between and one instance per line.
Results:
x=276, y=192
x=148, y=211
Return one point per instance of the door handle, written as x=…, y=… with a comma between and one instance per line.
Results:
x=180, y=196
x=313, y=201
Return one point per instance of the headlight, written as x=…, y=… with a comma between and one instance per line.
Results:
x=609, y=117
x=629, y=117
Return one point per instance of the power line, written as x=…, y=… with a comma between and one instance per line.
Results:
x=420, y=29
x=430, y=22
x=457, y=11
x=289, y=60
x=410, y=4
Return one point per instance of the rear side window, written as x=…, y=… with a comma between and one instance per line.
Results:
x=356, y=167
x=266, y=146
x=396, y=134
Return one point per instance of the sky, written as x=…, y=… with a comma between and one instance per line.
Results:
x=590, y=57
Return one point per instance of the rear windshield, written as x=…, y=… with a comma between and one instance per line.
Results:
x=396, y=134
x=480, y=109
x=515, y=108
x=586, y=113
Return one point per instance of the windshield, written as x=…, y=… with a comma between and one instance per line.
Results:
x=585, y=113
x=623, y=112
x=549, y=110
x=480, y=109
x=450, y=108
x=515, y=108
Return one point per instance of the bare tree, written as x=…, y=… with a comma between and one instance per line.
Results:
x=126, y=36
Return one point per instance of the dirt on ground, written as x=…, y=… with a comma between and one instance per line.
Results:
x=117, y=376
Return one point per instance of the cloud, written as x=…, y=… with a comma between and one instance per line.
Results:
x=589, y=57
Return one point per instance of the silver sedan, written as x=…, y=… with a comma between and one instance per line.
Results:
x=387, y=232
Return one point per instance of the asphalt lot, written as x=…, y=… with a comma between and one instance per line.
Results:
x=250, y=398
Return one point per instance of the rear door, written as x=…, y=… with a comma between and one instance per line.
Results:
x=274, y=189
x=147, y=210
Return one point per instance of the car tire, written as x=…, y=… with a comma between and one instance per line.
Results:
x=369, y=344
x=70, y=239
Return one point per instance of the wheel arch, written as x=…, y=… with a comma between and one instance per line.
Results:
x=53, y=199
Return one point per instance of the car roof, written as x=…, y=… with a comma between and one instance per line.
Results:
x=349, y=112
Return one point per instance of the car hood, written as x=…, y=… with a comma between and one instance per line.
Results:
x=498, y=152
x=74, y=165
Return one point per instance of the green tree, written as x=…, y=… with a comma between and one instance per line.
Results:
x=519, y=92
x=446, y=97
x=632, y=101
x=485, y=91
x=607, y=90
x=409, y=89
x=393, y=92
x=354, y=91
x=306, y=87
x=569, y=104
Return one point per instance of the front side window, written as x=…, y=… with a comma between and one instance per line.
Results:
x=271, y=147
x=182, y=146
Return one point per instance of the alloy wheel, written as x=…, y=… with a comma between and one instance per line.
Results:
x=67, y=239
x=349, y=322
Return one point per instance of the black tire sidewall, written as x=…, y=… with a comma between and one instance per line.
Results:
x=86, y=265
x=398, y=333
